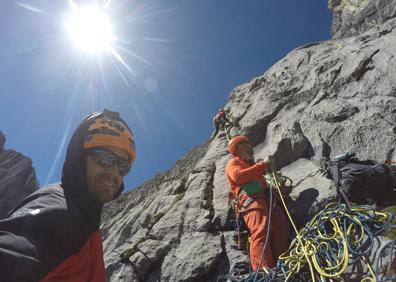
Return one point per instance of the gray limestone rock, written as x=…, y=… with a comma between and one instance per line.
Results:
x=352, y=17
x=17, y=179
x=322, y=99
x=181, y=264
x=2, y=141
x=311, y=190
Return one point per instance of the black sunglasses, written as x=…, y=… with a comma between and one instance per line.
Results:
x=106, y=159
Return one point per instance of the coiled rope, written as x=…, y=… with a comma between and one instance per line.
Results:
x=335, y=239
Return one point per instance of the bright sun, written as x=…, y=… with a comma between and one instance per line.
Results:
x=90, y=29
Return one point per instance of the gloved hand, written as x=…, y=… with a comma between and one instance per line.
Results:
x=262, y=165
x=267, y=163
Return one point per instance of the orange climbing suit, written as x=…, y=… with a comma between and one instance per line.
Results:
x=255, y=210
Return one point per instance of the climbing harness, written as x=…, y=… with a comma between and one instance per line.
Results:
x=241, y=228
x=241, y=235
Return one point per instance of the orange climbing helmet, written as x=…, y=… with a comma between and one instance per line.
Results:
x=108, y=129
x=234, y=142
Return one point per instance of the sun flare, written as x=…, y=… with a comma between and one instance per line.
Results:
x=90, y=29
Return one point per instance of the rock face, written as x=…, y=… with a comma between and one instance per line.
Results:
x=353, y=17
x=322, y=99
x=2, y=141
x=17, y=178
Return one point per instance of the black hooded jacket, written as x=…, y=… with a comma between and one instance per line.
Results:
x=54, y=233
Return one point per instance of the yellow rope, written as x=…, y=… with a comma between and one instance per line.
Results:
x=303, y=249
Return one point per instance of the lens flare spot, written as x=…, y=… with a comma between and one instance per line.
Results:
x=150, y=84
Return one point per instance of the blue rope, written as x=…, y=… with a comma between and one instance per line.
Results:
x=364, y=223
x=268, y=233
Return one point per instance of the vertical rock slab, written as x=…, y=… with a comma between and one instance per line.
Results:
x=17, y=178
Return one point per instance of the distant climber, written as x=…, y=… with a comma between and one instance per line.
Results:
x=53, y=235
x=250, y=191
x=220, y=121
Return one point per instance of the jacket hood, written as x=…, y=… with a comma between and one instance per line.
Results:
x=74, y=181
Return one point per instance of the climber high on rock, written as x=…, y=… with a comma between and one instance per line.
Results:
x=220, y=120
x=250, y=191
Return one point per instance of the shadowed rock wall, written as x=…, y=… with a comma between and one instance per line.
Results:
x=17, y=178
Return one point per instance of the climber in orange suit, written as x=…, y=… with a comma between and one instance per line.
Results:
x=250, y=190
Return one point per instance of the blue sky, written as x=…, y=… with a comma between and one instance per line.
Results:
x=180, y=61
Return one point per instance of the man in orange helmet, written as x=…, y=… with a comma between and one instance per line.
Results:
x=250, y=190
x=53, y=235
